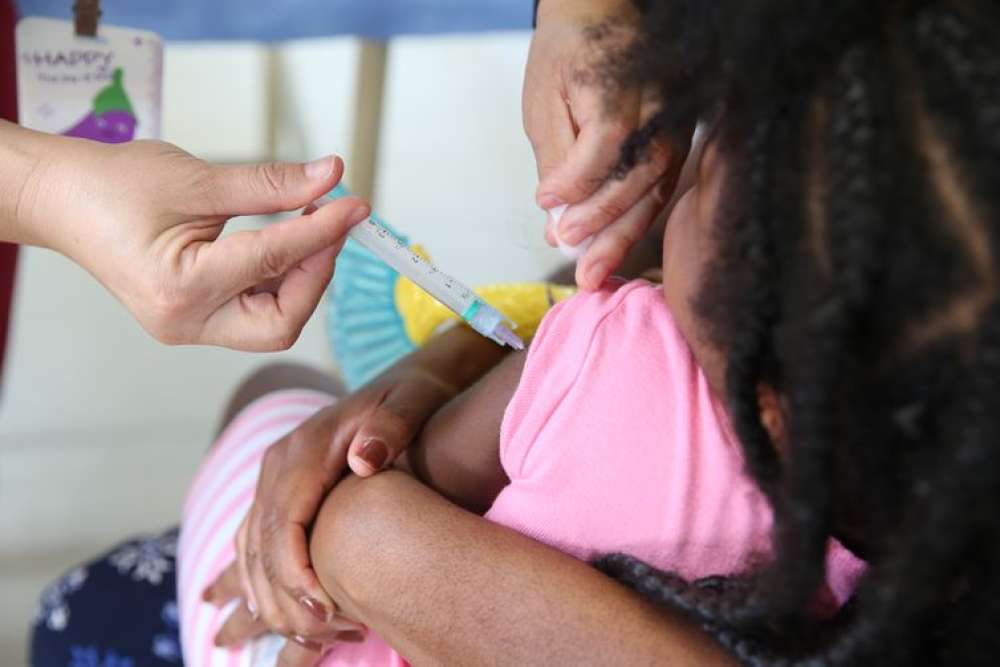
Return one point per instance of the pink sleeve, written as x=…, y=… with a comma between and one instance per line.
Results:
x=554, y=362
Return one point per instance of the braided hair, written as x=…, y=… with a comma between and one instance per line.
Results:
x=856, y=274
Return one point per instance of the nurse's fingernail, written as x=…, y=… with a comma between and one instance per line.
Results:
x=548, y=202
x=359, y=214
x=574, y=235
x=315, y=607
x=374, y=453
x=597, y=274
x=319, y=169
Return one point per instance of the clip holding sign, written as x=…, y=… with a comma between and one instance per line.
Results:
x=86, y=14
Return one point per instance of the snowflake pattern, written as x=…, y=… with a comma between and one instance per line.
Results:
x=53, y=608
x=90, y=656
x=167, y=645
x=147, y=559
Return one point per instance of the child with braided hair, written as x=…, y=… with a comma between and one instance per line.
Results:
x=793, y=441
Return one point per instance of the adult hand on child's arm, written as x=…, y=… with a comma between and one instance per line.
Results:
x=577, y=135
x=144, y=218
x=368, y=428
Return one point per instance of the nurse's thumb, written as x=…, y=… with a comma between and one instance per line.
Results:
x=273, y=187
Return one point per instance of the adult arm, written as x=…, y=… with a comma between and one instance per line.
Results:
x=444, y=586
x=145, y=219
x=370, y=427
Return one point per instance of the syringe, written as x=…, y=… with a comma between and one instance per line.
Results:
x=458, y=298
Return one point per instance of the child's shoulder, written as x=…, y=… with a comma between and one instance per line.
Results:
x=615, y=354
x=626, y=314
x=615, y=296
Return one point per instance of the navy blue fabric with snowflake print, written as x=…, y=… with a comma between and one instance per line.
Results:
x=119, y=610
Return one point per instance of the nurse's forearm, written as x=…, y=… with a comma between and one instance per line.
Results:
x=20, y=155
x=27, y=200
x=444, y=586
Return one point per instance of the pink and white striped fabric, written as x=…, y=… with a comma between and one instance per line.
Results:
x=218, y=500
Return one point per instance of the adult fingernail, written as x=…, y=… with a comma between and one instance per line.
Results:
x=574, y=235
x=317, y=170
x=344, y=625
x=374, y=453
x=550, y=201
x=252, y=608
x=555, y=219
x=315, y=607
x=207, y=594
x=359, y=214
x=307, y=644
x=597, y=274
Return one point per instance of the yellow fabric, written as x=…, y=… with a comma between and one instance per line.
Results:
x=524, y=304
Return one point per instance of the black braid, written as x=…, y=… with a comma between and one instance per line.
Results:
x=963, y=62
x=819, y=348
x=749, y=360
x=893, y=424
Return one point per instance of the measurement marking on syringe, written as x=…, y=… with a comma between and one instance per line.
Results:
x=446, y=289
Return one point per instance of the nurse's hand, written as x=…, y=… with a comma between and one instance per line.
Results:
x=577, y=134
x=145, y=219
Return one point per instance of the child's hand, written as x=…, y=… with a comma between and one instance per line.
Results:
x=145, y=219
x=273, y=568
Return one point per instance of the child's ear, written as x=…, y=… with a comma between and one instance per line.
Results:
x=771, y=415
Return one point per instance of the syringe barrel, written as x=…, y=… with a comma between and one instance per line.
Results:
x=455, y=296
x=381, y=242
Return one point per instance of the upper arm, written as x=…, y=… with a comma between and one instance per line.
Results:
x=458, y=451
x=443, y=586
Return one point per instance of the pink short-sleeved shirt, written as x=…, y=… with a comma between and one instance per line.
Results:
x=613, y=442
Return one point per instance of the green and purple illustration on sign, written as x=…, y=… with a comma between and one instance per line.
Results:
x=111, y=119
x=105, y=88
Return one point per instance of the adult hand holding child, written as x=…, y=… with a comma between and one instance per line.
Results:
x=273, y=573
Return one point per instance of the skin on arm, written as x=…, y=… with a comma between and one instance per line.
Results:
x=19, y=159
x=445, y=586
x=458, y=451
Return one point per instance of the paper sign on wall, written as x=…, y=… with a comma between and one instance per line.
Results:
x=107, y=88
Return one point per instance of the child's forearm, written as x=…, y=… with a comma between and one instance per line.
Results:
x=444, y=587
x=457, y=453
x=454, y=360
